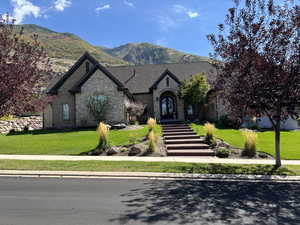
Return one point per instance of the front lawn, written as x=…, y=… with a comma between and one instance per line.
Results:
x=62, y=143
x=290, y=141
x=163, y=167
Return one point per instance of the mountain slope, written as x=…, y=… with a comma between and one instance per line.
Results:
x=65, y=48
x=146, y=53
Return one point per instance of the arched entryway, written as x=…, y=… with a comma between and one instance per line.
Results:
x=168, y=106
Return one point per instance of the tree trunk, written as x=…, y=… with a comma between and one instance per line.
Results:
x=277, y=144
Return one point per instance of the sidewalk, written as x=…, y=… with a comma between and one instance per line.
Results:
x=149, y=159
x=147, y=175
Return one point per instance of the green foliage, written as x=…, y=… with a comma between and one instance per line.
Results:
x=225, y=122
x=194, y=90
x=97, y=106
x=7, y=117
x=223, y=153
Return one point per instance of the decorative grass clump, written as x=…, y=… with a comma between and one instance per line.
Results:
x=250, y=138
x=152, y=137
x=210, y=130
x=151, y=124
x=103, y=136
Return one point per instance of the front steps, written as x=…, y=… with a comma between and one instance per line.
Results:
x=181, y=140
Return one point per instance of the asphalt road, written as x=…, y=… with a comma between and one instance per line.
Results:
x=43, y=201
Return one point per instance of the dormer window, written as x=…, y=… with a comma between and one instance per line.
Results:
x=167, y=82
x=87, y=67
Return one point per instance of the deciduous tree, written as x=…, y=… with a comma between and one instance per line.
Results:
x=24, y=70
x=259, y=50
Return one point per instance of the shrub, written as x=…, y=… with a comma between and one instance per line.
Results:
x=250, y=143
x=103, y=136
x=97, y=106
x=152, y=137
x=225, y=122
x=209, y=130
x=135, y=110
x=223, y=153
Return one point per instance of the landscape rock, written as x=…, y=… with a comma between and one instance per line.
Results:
x=113, y=151
x=138, y=149
x=19, y=124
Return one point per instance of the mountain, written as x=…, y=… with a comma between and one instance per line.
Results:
x=146, y=53
x=65, y=48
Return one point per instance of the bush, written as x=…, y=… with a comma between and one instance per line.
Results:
x=223, y=153
x=103, y=136
x=97, y=106
x=250, y=143
x=135, y=110
x=209, y=130
x=225, y=122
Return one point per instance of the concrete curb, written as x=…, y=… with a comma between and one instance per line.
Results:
x=146, y=175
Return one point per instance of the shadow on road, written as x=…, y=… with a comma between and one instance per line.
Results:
x=200, y=202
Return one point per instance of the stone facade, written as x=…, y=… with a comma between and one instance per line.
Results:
x=64, y=97
x=100, y=84
x=162, y=87
x=32, y=123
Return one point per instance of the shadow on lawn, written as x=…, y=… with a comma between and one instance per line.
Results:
x=203, y=202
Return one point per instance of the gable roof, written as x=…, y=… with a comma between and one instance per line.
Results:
x=163, y=75
x=147, y=75
x=61, y=81
x=77, y=87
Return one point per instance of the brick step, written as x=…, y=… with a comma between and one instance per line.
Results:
x=179, y=133
x=172, y=137
x=174, y=128
x=184, y=141
x=177, y=130
x=194, y=152
x=187, y=146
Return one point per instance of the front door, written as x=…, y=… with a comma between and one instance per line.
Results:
x=168, y=108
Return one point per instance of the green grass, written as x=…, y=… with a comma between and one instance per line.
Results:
x=290, y=141
x=164, y=167
x=62, y=143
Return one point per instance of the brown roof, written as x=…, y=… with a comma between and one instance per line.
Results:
x=139, y=79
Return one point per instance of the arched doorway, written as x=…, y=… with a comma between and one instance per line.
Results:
x=168, y=106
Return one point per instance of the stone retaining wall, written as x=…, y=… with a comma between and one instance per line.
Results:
x=32, y=123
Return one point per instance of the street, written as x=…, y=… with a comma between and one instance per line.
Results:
x=53, y=201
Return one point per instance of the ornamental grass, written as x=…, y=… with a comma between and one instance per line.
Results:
x=103, y=132
x=210, y=130
x=250, y=138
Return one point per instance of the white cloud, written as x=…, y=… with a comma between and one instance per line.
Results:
x=101, y=8
x=60, y=5
x=130, y=4
x=23, y=8
x=179, y=9
x=6, y=17
x=192, y=14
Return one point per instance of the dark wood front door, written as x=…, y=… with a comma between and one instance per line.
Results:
x=168, y=108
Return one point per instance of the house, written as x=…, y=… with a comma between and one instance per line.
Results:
x=156, y=86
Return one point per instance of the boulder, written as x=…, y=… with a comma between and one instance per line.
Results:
x=113, y=151
x=138, y=149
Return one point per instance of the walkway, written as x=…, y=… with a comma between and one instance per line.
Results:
x=149, y=159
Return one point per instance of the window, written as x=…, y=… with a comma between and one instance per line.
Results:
x=87, y=67
x=66, y=112
x=190, y=110
x=167, y=82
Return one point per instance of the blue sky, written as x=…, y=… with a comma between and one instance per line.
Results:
x=178, y=24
